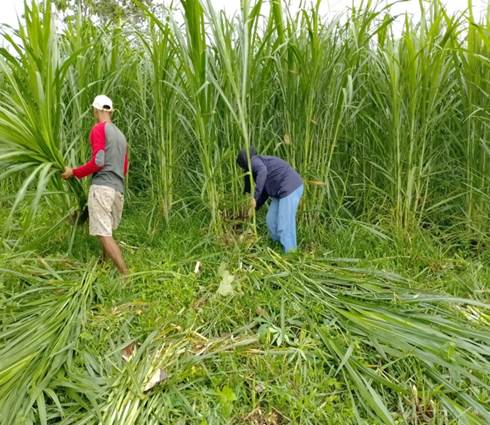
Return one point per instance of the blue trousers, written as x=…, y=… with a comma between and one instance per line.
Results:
x=281, y=219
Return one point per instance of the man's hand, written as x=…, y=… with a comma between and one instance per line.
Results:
x=251, y=207
x=68, y=173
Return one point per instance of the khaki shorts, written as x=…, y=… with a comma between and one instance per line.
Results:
x=105, y=207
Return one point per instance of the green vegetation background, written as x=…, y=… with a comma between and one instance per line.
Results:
x=382, y=317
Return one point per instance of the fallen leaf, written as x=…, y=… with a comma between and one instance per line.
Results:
x=158, y=376
x=225, y=287
x=128, y=351
x=258, y=417
x=197, y=268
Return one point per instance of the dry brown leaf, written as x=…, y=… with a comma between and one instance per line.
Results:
x=258, y=417
x=128, y=351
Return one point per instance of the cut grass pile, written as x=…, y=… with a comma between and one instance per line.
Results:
x=316, y=337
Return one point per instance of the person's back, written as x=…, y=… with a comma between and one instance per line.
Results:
x=113, y=169
x=108, y=166
x=282, y=179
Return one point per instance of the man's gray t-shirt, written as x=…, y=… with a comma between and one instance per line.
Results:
x=112, y=159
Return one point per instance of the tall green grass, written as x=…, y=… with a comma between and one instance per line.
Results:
x=159, y=112
x=473, y=146
x=382, y=124
x=31, y=105
x=389, y=130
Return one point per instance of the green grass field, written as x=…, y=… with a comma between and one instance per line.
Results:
x=355, y=328
x=381, y=317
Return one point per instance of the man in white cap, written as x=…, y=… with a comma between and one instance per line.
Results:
x=108, y=166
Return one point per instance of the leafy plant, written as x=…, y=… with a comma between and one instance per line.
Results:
x=31, y=107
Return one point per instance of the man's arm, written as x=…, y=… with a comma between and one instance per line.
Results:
x=260, y=171
x=246, y=183
x=262, y=200
x=97, y=161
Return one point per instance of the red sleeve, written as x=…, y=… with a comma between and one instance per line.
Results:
x=126, y=163
x=97, y=142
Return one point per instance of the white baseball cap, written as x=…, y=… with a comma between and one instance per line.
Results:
x=102, y=103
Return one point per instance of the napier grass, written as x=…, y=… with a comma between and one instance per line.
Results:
x=383, y=315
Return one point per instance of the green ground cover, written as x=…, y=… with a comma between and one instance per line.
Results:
x=381, y=317
x=357, y=327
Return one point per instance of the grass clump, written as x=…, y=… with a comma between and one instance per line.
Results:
x=305, y=338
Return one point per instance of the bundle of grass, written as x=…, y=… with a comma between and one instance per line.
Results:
x=31, y=109
x=40, y=329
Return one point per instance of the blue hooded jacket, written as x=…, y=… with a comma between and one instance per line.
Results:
x=273, y=176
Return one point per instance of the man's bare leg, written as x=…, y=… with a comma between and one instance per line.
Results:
x=111, y=250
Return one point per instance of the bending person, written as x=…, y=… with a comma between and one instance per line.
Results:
x=276, y=179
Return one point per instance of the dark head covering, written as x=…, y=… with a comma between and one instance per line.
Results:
x=242, y=159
